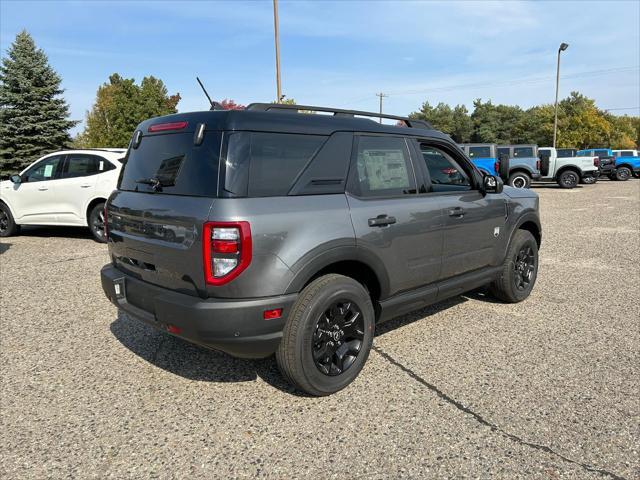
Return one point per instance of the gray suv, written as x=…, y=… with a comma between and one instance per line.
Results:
x=273, y=230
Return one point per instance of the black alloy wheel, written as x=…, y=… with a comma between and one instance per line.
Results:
x=623, y=174
x=524, y=266
x=96, y=223
x=338, y=337
x=4, y=221
x=569, y=179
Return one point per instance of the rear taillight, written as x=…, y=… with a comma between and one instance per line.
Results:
x=496, y=167
x=105, y=224
x=538, y=164
x=226, y=250
x=596, y=161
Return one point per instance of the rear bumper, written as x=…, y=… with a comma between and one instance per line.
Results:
x=536, y=176
x=235, y=327
x=607, y=169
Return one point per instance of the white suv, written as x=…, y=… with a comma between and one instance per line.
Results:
x=63, y=188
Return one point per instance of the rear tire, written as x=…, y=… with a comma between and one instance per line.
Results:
x=519, y=180
x=8, y=226
x=623, y=174
x=328, y=335
x=568, y=179
x=519, y=270
x=96, y=223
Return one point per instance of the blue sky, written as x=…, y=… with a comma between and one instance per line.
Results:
x=342, y=53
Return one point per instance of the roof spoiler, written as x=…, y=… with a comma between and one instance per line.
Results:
x=338, y=112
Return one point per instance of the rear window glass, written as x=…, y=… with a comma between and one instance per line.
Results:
x=172, y=164
x=479, y=152
x=602, y=153
x=626, y=153
x=504, y=151
x=261, y=164
x=520, y=152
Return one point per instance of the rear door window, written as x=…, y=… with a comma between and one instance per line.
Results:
x=504, y=151
x=261, y=164
x=383, y=168
x=173, y=164
x=522, y=152
x=82, y=165
x=626, y=153
x=479, y=152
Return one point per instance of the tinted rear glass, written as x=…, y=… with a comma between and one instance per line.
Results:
x=521, y=152
x=626, y=153
x=566, y=152
x=266, y=164
x=176, y=163
x=479, y=152
x=504, y=151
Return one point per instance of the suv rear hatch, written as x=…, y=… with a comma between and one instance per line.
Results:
x=165, y=193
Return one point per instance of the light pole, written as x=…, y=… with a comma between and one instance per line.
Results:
x=563, y=47
x=277, y=39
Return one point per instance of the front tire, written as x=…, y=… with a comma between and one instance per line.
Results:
x=519, y=180
x=519, y=270
x=623, y=174
x=568, y=179
x=328, y=335
x=96, y=223
x=8, y=226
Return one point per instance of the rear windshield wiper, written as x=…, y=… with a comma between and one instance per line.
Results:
x=155, y=183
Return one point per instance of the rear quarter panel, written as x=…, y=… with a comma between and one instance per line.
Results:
x=287, y=233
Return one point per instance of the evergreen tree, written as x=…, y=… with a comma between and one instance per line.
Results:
x=33, y=116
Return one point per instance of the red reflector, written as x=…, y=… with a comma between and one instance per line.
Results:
x=174, y=329
x=496, y=167
x=225, y=246
x=163, y=127
x=272, y=314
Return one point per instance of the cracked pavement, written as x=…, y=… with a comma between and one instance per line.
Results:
x=468, y=388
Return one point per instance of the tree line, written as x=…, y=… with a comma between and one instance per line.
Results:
x=34, y=117
x=581, y=124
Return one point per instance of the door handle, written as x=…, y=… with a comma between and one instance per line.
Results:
x=85, y=186
x=456, y=212
x=381, y=221
x=42, y=189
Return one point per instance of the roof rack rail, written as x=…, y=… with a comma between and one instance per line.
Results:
x=338, y=112
x=103, y=149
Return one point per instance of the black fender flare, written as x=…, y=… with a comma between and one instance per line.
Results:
x=524, y=218
x=318, y=259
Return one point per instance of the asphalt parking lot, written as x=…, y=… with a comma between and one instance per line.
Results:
x=548, y=388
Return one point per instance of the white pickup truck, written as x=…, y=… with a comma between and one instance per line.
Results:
x=559, y=166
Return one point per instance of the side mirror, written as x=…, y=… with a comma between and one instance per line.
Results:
x=492, y=184
x=17, y=179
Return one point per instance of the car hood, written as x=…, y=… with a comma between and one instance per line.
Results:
x=519, y=192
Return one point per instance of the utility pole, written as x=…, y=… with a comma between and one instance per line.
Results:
x=563, y=47
x=277, y=39
x=381, y=95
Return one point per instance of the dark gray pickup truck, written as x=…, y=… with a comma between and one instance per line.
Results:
x=274, y=231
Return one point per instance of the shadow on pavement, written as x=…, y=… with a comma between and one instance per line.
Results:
x=192, y=362
x=4, y=247
x=49, y=231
